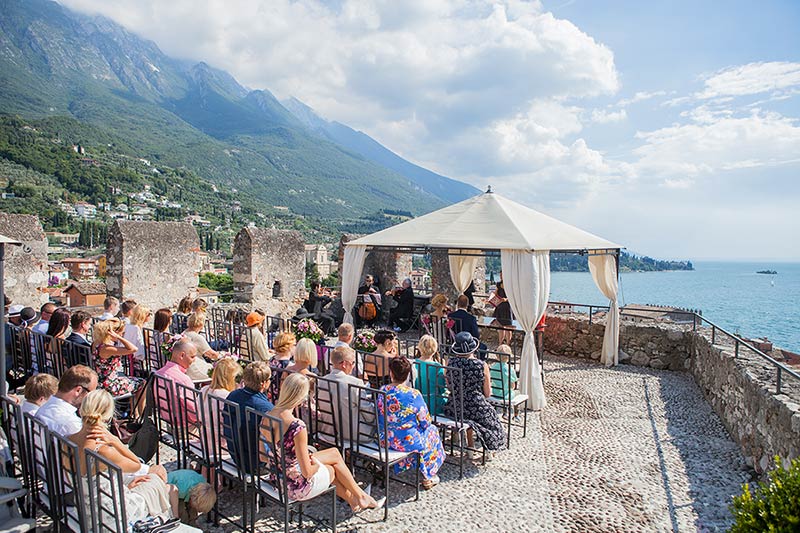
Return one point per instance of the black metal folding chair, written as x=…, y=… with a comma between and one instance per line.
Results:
x=228, y=450
x=166, y=415
x=106, y=494
x=73, y=510
x=40, y=480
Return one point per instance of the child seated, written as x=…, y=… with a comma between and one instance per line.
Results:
x=503, y=376
x=196, y=495
x=38, y=390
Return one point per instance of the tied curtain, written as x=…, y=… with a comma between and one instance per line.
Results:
x=351, y=274
x=461, y=268
x=526, y=278
x=604, y=273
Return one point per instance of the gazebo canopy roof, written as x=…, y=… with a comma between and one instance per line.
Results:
x=486, y=222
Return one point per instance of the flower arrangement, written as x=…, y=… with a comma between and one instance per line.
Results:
x=365, y=341
x=169, y=344
x=308, y=329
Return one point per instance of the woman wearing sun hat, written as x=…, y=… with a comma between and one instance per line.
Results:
x=477, y=387
x=254, y=340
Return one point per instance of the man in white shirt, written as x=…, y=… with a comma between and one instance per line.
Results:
x=343, y=361
x=60, y=411
x=346, y=334
x=110, y=308
x=46, y=311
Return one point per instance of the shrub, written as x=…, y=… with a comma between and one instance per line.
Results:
x=774, y=507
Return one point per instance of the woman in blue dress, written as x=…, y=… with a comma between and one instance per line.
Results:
x=408, y=424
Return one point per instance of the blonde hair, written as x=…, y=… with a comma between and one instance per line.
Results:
x=439, y=300
x=428, y=347
x=306, y=353
x=504, y=353
x=284, y=341
x=225, y=373
x=97, y=407
x=256, y=374
x=198, y=318
x=202, y=498
x=294, y=390
x=139, y=315
x=103, y=329
x=40, y=386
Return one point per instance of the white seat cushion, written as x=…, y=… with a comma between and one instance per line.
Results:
x=373, y=452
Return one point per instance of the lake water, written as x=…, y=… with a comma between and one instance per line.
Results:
x=731, y=295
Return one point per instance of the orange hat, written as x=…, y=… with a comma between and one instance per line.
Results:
x=253, y=319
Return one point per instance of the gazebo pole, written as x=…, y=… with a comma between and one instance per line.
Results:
x=3, y=390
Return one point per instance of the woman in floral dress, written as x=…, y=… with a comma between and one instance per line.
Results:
x=408, y=424
x=108, y=358
x=473, y=389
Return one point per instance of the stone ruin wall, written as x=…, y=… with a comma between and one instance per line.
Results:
x=26, y=268
x=154, y=263
x=441, y=282
x=741, y=390
x=260, y=257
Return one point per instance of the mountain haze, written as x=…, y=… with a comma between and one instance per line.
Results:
x=54, y=62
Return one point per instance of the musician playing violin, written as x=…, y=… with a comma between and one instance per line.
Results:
x=318, y=298
x=400, y=316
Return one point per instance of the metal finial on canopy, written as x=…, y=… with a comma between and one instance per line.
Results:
x=489, y=189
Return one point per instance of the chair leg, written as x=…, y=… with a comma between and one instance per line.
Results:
x=386, y=490
x=461, y=455
x=333, y=510
x=285, y=517
x=525, y=422
x=416, y=476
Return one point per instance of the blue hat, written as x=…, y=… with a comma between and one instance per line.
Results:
x=465, y=344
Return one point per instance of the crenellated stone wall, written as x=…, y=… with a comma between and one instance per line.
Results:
x=154, y=263
x=741, y=389
x=26, y=268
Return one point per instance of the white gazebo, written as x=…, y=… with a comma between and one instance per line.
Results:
x=485, y=225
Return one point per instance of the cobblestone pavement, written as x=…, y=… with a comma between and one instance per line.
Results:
x=624, y=449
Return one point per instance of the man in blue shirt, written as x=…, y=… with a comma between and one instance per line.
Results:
x=255, y=378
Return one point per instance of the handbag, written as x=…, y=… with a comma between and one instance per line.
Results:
x=143, y=441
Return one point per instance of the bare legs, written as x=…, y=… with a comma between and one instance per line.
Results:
x=346, y=486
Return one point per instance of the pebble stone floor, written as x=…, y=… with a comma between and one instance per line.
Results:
x=622, y=449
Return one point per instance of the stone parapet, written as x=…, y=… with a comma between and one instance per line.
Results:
x=25, y=275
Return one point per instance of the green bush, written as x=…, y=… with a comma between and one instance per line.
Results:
x=774, y=507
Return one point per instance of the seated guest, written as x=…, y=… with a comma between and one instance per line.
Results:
x=58, y=326
x=80, y=321
x=504, y=377
x=183, y=312
x=200, y=367
x=376, y=364
x=161, y=320
x=255, y=381
x=28, y=317
x=46, y=312
x=199, y=305
x=110, y=308
x=224, y=380
x=503, y=318
x=149, y=494
x=315, y=305
x=369, y=303
x=439, y=305
x=108, y=358
x=133, y=330
x=430, y=374
x=305, y=357
x=473, y=390
x=346, y=334
x=401, y=315
x=196, y=496
x=38, y=390
x=343, y=361
x=308, y=475
x=60, y=411
x=464, y=321
x=283, y=346
x=183, y=355
x=125, y=310
x=408, y=424
x=253, y=341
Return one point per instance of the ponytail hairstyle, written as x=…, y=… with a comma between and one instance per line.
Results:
x=97, y=408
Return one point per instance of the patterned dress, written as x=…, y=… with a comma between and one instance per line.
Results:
x=478, y=412
x=409, y=429
x=297, y=486
x=275, y=383
x=111, y=376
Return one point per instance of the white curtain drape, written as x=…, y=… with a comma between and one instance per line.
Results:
x=526, y=278
x=461, y=269
x=351, y=275
x=604, y=273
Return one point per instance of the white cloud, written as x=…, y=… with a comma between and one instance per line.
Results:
x=640, y=97
x=602, y=116
x=752, y=78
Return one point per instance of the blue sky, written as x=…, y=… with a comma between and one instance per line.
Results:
x=670, y=127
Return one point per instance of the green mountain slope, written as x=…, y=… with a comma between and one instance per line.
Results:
x=54, y=62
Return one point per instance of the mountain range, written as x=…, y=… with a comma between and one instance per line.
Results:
x=55, y=62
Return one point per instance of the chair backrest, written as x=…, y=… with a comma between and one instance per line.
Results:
x=431, y=383
x=152, y=349
x=74, y=512
x=367, y=421
x=437, y=328
x=106, y=495
x=327, y=430
x=241, y=341
x=454, y=377
x=217, y=314
x=267, y=432
x=21, y=349
x=324, y=358
x=41, y=346
x=77, y=354
x=376, y=367
x=14, y=430
x=190, y=403
x=167, y=411
x=178, y=323
x=38, y=450
x=226, y=436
